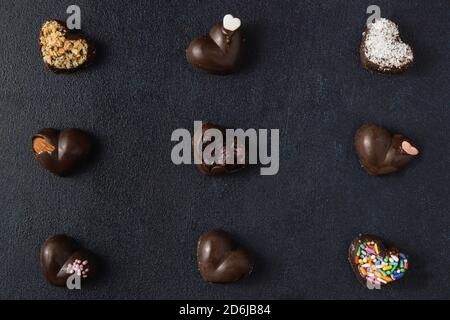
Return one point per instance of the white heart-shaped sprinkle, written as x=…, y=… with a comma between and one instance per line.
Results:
x=409, y=149
x=231, y=23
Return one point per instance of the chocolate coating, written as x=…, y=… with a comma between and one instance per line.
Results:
x=387, y=277
x=220, y=260
x=219, y=52
x=381, y=152
x=58, y=254
x=202, y=139
x=62, y=151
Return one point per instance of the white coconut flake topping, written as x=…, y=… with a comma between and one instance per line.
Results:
x=384, y=47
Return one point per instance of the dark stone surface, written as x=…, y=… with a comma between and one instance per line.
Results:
x=143, y=215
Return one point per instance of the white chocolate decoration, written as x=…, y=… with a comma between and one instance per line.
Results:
x=231, y=23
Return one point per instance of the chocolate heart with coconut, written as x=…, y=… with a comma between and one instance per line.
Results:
x=374, y=265
x=381, y=152
x=382, y=50
x=63, y=51
x=219, y=52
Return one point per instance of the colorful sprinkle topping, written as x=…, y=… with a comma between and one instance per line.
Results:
x=378, y=270
x=80, y=268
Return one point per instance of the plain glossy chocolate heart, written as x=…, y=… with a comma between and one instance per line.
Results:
x=220, y=260
x=381, y=152
x=61, y=152
x=64, y=51
x=222, y=163
x=220, y=51
x=373, y=264
x=61, y=257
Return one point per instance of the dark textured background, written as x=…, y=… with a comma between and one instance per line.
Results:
x=143, y=215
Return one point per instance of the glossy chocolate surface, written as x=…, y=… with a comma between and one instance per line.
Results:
x=59, y=256
x=219, y=52
x=220, y=260
x=60, y=152
x=381, y=152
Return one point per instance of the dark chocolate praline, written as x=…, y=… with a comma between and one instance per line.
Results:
x=220, y=260
x=219, y=52
x=61, y=257
x=203, y=138
x=382, y=153
x=60, y=152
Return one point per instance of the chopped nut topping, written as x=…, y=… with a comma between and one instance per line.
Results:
x=40, y=145
x=59, y=52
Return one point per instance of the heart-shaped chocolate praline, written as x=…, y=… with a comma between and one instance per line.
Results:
x=222, y=163
x=63, y=51
x=61, y=258
x=61, y=152
x=220, y=51
x=374, y=265
x=381, y=152
x=382, y=49
x=220, y=260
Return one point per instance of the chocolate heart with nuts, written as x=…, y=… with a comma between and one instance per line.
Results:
x=382, y=49
x=63, y=51
x=381, y=152
x=221, y=160
x=61, y=152
x=374, y=265
x=219, y=52
x=61, y=258
x=220, y=260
